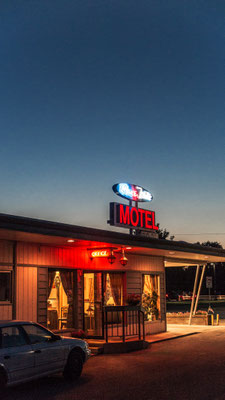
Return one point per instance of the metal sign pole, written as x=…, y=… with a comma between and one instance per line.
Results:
x=130, y=205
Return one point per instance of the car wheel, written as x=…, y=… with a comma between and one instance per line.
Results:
x=73, y=366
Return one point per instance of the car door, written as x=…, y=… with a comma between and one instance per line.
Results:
x=16, y=353
x=49, y=353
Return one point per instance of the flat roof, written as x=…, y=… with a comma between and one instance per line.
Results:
x=175, y=253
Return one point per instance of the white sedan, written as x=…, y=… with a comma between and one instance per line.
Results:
x=29, y=351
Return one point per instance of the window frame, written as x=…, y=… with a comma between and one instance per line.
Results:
x=8, y=271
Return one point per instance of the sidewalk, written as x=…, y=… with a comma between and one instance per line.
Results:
x=173, y=332
x=178, y=331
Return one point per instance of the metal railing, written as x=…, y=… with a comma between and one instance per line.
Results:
x=124, y=322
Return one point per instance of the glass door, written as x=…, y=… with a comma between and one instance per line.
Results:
x=93, y=304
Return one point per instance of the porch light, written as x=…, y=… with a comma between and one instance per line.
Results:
x=123, y=260
x=70, y=240
x=111, y=257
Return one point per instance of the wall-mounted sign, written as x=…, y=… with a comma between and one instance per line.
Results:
x=132, y=192
x=99, y=253
x=131, y=217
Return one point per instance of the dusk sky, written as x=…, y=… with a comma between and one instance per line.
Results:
x=99, y=92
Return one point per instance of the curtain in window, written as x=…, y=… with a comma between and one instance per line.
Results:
x=116, y=287
x=51, y=277
x=67, y=282
x=150, y=284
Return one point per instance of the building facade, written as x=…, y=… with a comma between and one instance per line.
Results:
x=62, y=276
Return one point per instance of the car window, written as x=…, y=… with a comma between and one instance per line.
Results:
x=12, y=336
x=37, y=334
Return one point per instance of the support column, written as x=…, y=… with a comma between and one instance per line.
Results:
x=199, y=289
x=193, y=295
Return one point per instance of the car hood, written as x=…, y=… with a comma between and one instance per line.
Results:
x=74, y=341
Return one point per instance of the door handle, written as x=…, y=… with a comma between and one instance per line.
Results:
x=37, y=351
x=6, y=357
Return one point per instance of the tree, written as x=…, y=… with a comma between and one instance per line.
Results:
x=163, y=233
x=211, y=244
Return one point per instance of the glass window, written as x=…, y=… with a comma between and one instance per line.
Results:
x=37, y=334
x=60, y=299
x=12, y=336
x=113, y=289
x=5, y=286
x=151, y=296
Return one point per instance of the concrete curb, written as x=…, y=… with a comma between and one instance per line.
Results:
x=173, y=337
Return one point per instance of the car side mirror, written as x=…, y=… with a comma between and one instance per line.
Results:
x=56, y=337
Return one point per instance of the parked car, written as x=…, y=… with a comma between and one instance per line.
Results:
x=172, y=296
x=28, y=351
x=186, y=296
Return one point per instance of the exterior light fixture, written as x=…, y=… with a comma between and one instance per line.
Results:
x=123, y=260
x=70, y=240
x=111, y=257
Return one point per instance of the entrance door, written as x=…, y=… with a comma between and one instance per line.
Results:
x=93, y=304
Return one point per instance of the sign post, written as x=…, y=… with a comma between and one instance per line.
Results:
x=209, y=285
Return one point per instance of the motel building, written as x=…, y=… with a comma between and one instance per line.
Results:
x=109, y=284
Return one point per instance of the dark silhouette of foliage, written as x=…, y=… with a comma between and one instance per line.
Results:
x=211, y=244
x=163, y=234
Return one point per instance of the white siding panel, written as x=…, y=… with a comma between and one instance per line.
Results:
x=5, y=312
x=26, y=301
x=6, y=252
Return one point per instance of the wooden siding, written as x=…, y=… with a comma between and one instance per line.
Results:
x=134, y=282
x=40, y=255
x=6, y=252
x=42, y=295
x=26, y=293
x=80, y=300
x=5, y=312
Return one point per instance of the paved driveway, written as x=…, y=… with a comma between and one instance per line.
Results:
x=187, y=368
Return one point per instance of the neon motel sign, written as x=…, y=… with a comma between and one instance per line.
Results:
x=131, y=217
x=132, y=192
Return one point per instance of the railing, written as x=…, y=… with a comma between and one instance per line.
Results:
x=124, y=322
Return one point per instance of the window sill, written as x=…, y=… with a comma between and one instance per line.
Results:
x=5, y=303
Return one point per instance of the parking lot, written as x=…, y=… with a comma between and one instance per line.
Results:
x=186, y=368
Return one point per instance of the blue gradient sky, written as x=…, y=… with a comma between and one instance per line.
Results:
x=99, y=92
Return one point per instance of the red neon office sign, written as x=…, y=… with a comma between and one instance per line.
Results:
x=100, y=253
x=132, y=217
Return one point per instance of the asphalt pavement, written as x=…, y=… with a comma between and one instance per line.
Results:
x=184, y=368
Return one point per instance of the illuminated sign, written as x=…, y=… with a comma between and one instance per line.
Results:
x=131, y=217
x=132, y=192
x=99, y=253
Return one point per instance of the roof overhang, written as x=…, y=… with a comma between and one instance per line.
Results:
x=175, y=253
